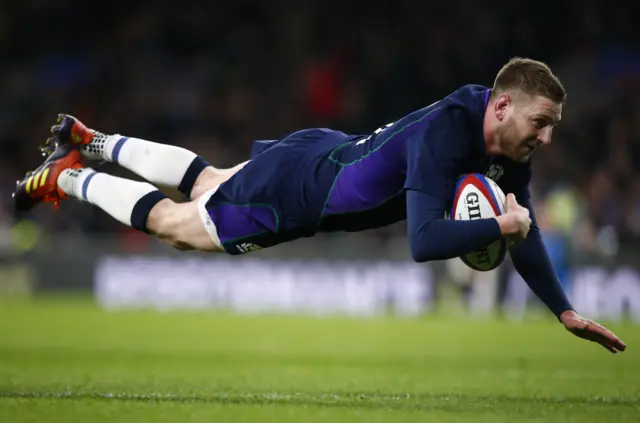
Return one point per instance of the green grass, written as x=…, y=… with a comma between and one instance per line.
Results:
x=66, y=361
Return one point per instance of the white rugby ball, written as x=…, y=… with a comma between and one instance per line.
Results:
x=478, y=197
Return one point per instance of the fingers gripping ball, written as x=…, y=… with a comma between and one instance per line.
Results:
x=478, y=197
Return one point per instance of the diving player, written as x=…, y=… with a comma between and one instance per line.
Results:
x=320, y=180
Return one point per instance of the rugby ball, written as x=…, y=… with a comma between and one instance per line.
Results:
x=478, y=197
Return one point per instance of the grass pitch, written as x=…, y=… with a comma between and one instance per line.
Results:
x=68, y=361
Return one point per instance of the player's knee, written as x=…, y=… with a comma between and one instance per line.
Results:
x=180, y=226
x=212, y=177
x=167, y=220
x=208, y=179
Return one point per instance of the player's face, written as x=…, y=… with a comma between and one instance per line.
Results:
x=527, y=125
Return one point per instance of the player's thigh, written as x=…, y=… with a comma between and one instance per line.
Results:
x=211, y=178
x=183, y=226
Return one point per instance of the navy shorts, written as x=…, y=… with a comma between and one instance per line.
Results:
x=276, y=197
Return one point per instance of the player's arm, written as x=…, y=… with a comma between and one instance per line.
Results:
x=431, y=237
x=532, y=261
x=435, y=157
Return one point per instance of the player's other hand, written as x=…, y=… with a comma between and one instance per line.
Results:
x=515, y=222
x=591, y=331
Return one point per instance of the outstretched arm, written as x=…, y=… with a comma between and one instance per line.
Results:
x=532, y=262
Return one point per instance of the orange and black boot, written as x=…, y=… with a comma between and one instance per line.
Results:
x=41, y=185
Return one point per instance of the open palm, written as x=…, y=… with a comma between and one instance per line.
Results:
x=592, y=331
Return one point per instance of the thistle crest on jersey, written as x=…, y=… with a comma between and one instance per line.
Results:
x=495, y=172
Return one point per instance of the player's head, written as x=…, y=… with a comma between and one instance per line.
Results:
x=526, y=103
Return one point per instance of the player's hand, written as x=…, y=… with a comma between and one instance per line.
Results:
x=515, y=222
x=592, y=331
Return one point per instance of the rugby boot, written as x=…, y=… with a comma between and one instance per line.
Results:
x=41, y=185
x=69, y=130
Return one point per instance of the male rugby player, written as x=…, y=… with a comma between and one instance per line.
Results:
x=320, y=180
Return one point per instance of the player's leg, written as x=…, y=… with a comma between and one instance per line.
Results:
x=160, y=164
x=211, y=177
x=136, y=204
x=141, y=206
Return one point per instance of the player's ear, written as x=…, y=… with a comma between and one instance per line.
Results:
x=501, y=105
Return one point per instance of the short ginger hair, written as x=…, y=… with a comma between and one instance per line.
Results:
x=531, y=77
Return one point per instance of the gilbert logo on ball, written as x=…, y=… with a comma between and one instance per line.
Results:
x=478, y=197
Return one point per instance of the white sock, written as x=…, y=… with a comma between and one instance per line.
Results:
x=117, y=196
x=160, y=164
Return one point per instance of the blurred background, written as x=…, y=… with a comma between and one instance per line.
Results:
x=213, y=76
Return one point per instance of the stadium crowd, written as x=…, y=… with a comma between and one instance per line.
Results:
x=214, y=76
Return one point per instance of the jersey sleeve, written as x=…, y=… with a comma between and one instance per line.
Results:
x=531, y=260
x=433, y=238
x=436, y=155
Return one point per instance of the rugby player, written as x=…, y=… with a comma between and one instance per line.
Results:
x=322, y=180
